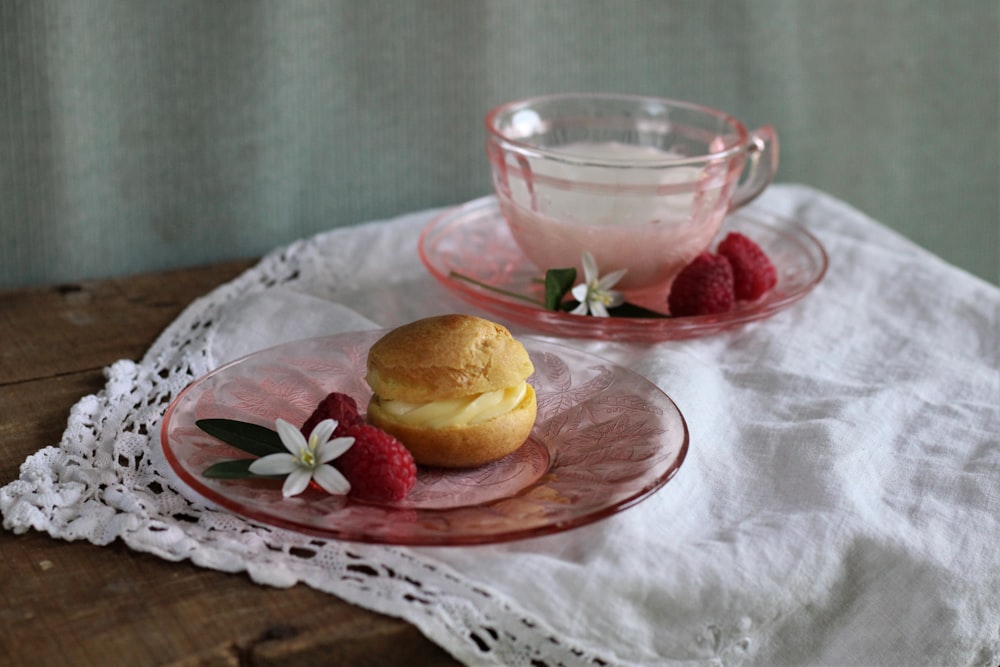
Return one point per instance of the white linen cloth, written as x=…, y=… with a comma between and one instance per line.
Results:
x=839, y=504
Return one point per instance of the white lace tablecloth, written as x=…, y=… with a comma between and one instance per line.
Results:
x=839, y=505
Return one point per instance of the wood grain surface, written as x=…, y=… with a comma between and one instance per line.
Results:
x=73, y=603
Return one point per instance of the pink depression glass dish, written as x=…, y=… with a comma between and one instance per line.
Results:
x=604, y=440
x=472, y=240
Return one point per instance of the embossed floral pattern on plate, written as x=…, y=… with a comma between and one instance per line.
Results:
x=605, y=439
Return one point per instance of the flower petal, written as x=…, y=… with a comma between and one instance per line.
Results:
x=291, y=438
x=581, y=309
x=274, y=464
x=580, y=292
x=331, y=449
x=323, y=431
x=589, y=267
x=296, y=482
x=610, y=280
x=597, y=309
x=331, y=479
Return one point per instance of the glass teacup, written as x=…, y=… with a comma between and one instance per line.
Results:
x=642, y=183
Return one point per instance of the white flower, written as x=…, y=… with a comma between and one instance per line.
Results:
x=306, y=460
x=595, y=293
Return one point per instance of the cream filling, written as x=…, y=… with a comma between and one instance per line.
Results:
x=463, y=411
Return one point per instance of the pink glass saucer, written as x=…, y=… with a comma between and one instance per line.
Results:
x=605, y=439
x=473, y=240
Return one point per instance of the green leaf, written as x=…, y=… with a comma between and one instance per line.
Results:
x=557, y=283
x=234, y=469
x=251, y=438
x=624, y=310
x=632, y=310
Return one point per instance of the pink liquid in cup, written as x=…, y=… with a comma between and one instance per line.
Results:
x=650, y=220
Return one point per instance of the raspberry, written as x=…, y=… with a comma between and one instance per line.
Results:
x=377, y=465
x=703, y=287
x=753, y=272
x=338, y=406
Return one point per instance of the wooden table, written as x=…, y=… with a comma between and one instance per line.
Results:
x=73, y=603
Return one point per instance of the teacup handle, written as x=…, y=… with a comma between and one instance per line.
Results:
x=762, y=154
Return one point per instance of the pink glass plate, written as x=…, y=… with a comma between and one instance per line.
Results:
x=605, y=439
x=473, y=240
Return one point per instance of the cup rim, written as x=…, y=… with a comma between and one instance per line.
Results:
x=743, y=135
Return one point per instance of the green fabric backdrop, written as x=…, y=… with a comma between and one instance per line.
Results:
x=146, y=134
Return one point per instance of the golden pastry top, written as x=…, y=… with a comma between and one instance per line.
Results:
x=446, y=357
